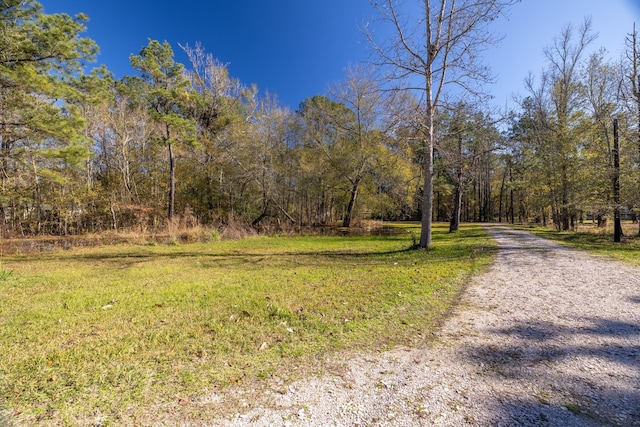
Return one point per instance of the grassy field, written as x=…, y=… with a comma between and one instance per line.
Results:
x=114, y=334
x=597, y=240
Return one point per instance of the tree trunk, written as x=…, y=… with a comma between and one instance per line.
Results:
x=457, y=206
x=489, y=214
x=427, y=200
x=263, y=215
x=4, y=174
x=564, y=209
x=637, y=93
x=457, y=201
x=511, y=212
x=617, y=226
x=352, y=203
x=172, y=183
x=504, y=178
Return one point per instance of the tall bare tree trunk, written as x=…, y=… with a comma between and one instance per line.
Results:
x=564, y=208
x=502, y=188
x=617, y=226
x=457, y=201
x=427, y=198
x=637, y=92
x=172, y=182
x=457, y=207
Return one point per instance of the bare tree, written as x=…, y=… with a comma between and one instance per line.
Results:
x=359, y=153
x=439, y=49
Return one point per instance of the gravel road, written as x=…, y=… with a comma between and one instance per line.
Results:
x=549, y=336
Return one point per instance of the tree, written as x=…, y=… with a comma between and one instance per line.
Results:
x=125, y=165
x=168, y=101
x=327, y=125
x=451, y=150
x=465, y=149
x=273, y=161
x=601, y=147
x=437, y=50
x=40, y=126
x=348, y=131
x=557, y=111
x=617, y=226
x=631, y=92
x=361, y=149
x=223, y=109
x=528, y=159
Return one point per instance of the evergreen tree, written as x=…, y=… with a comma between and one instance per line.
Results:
x=40, y=126
x=168, y=101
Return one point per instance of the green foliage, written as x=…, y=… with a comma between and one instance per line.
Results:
x=40, y=54
x=167, y=99
x=348, y=146
x=167, y=94
x=41, y=130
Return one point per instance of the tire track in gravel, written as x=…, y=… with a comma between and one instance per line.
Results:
x=549, y=336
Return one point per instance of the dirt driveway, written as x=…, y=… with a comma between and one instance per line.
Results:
x=548, y=337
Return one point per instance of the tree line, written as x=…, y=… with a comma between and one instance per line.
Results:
x=83, y=152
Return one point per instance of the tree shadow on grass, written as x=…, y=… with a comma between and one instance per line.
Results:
x=211, y=258
x=138, y=255
x=575, y=380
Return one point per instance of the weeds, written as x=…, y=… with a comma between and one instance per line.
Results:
x=5, y=274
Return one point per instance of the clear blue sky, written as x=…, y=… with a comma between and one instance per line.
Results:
x=295, y=48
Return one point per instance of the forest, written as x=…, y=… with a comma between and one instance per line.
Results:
x=189, y=145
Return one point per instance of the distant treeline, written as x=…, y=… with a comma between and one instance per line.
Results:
x=84, y=152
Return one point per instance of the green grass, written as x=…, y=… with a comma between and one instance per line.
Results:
x=574, y=409
x=596, y=240
x=119, y=333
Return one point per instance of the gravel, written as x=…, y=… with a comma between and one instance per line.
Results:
x=549, y=336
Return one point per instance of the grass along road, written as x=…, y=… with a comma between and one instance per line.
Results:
x=128, y=334
x=596, y=240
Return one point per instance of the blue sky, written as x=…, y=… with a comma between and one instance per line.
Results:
x=295, y=48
